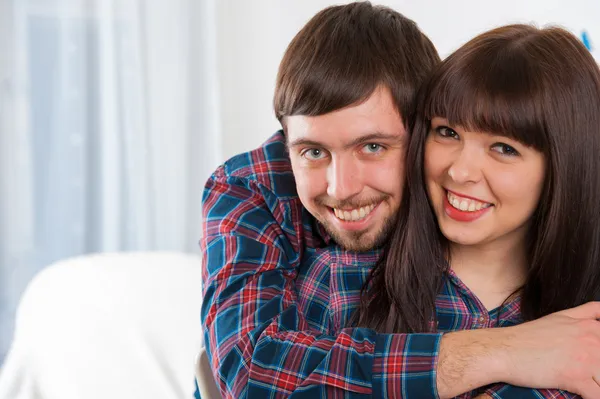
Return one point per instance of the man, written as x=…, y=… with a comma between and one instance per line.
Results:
x=291, y=227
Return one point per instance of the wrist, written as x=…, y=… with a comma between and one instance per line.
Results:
x=497, y=363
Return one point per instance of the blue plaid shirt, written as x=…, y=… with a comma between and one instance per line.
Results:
x=279, y=294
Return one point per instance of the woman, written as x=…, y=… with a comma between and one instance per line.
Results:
x=502, y=203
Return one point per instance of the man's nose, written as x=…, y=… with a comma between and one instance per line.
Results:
x=344, y=178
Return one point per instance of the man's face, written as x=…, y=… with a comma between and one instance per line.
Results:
x=349, y=169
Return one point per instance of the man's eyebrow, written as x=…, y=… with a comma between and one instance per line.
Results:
x=374, y=137
x=378, y=136
x=304, y=142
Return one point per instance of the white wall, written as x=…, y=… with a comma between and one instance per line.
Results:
x=253, y=36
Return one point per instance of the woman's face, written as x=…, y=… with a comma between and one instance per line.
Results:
x=482, y=187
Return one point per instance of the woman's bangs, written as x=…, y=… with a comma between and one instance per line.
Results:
x=495, y=98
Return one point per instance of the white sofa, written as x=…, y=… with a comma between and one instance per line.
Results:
x=124, y=325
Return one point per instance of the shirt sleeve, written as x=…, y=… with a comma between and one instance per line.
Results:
x=506, y=391
x=259, y=342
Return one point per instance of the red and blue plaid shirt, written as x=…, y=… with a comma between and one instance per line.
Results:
x=279, y=296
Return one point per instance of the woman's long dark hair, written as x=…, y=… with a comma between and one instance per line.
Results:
x=542, y=88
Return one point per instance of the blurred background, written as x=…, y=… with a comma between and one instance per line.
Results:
x=114, y=112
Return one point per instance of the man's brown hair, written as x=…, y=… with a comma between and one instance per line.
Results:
x=344, y=53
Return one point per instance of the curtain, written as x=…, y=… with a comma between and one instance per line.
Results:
x=109, y=126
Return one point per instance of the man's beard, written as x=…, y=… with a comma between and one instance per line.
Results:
x=362, y=241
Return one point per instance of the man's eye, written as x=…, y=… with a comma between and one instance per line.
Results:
x=313, y=154
x=445, y=131
x=505, y=149
x=373, y=148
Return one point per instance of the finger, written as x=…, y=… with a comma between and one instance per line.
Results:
x=590, y=310
x=590, y=390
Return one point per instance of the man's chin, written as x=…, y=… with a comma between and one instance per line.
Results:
x=357, y=247
x=361, y=242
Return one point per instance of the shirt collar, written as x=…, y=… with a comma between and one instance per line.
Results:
x=508, y=311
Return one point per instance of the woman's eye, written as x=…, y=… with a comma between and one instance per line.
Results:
x=505, y=149
x=373, y=148
x=445, y=131
x=313, y=154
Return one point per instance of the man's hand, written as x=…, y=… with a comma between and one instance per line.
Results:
x=559, y=351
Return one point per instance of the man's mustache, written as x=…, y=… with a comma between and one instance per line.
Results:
x=350, y=203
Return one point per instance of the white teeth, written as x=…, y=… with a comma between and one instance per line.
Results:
x=466, y=204
x=354, y=214
x=362, y=213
